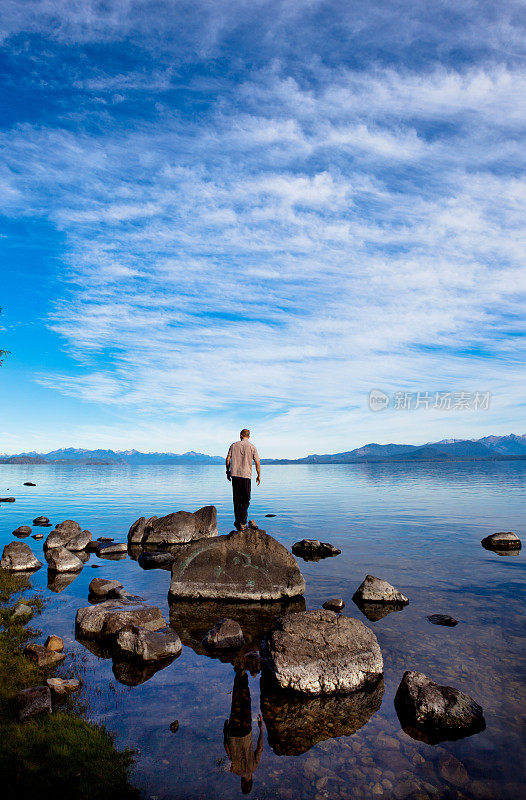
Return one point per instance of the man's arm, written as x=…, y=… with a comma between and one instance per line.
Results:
x=228, y=460
x=255, y=456
x=259, y=745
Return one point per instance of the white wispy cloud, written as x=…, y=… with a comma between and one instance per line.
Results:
x=297, y=243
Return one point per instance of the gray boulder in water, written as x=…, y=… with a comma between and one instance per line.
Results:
x=61, y=560
x=434, y=713
x=18, y=557
x=108, y=618
x=503, y=540
x=245, y=565
x=176, y=528
x=68, y=534
x=320, y=652
x=376, y=590
x=136, y=642
x=23, y=530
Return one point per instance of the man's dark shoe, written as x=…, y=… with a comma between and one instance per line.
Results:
x=252, y=524
x=242, y=528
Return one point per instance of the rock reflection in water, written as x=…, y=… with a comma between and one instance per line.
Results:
x=192, y=620
x=296, y=723
x=58, y=581
x=131, y=673
x=377, y=611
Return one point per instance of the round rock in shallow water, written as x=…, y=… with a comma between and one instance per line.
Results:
x=334, y=604
x=504, y=540
x=320, y=652
x=314, y=550
x=18, y=557
x=376, y=590
x=61, y=560
x=433, y=713
x=23, y=530
x=41, y=521
x=137, y=642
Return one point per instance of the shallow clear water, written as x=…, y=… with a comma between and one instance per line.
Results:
x=417, y=526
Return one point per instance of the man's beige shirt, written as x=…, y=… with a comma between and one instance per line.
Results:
x=242, y=454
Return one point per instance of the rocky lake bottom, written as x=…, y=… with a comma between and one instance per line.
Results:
x=418, y=526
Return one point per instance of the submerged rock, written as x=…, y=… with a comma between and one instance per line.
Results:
x=41, y=656
x=443, y=619
x=137, y=642
x=102, y=588
x=502, y=541
x=38, y=536
x=176, y=528
x=68, y=534
x=7, y=499
x=18, y=557
x=320, y=652
x=296, y=723
x=224, y=635
x=61, y=560
x=314, y=550
x=30, y=702
x=434, y=713
x=376, y=590
x=23, y=530
x=106, y=619
x=41, y=521
x=243, y=565
x=156, y=559
x=28, y=483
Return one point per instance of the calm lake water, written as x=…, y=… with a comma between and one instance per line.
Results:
x=417, y=526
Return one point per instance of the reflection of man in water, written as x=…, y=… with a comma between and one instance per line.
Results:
x=237, y=733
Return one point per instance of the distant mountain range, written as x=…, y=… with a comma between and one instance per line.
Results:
x=489, y=448
x=72, y=455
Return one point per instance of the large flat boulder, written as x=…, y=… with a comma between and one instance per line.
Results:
x=245, y=565
x=320, y=652
x=296, y=723
x=108, y=618
x=176, y=528
x=434, y=713
x=18, y=557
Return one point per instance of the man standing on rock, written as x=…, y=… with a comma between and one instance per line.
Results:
x=239, y=470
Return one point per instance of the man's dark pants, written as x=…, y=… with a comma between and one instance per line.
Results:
x=241, y=491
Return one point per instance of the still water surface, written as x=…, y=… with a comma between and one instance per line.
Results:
x=418, y=526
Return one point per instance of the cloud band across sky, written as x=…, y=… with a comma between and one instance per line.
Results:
x=264, y=234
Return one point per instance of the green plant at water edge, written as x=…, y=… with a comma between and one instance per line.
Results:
x=62, y=753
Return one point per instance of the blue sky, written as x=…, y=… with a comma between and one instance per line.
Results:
x=223, y=214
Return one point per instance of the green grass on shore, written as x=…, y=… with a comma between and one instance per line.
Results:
x=61, y=754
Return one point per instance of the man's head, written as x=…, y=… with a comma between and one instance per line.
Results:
x=245, y=433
